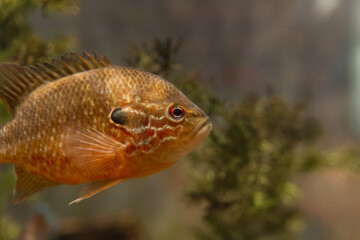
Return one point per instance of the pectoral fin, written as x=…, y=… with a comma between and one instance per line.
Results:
x=90, y=149
x=28, y=184
x=94, y=188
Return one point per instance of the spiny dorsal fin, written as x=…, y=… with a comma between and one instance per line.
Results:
x=17, y=81
x=27, y=185
x=68, y=65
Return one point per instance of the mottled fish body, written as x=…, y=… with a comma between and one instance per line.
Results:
x=82, y=120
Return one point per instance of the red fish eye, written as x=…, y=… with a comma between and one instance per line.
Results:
x=176, y=112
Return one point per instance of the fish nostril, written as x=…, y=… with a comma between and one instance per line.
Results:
x=203, y=115
x=199, y=114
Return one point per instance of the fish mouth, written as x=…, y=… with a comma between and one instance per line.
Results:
x=202, y=128
x=197, y=135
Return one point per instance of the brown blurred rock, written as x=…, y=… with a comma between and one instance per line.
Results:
x=36, y=229
x=97, y=229
x=331, y=202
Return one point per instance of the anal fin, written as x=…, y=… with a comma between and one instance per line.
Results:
x=96, y=187
x=28, y=184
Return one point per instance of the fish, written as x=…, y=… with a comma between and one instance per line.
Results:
x=80, y=119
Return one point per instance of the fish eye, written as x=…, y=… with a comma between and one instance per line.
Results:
x=117, y=116
x=175, y=113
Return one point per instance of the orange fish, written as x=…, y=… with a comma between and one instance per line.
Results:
x=80, y=119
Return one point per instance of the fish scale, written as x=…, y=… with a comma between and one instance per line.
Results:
x=63, y=131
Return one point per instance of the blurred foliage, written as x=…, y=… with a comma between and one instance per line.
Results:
x=156, y=57
x=8, y=228
x=19, y=43
x=346, y=158
x=244, y=175
x=244, y=172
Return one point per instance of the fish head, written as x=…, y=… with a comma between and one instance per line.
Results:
x=164, y=124
x=183, y=127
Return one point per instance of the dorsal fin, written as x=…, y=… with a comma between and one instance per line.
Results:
x=17, y=81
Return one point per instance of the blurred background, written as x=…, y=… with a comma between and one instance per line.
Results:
x=281, y=82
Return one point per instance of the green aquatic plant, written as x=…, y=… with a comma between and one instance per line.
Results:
x=19, y=42
x=244, y=175
x=8, y=228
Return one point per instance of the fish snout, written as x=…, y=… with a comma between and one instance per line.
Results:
x=202, y=127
